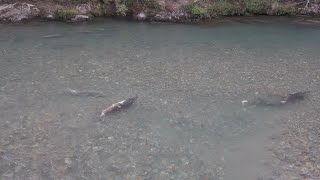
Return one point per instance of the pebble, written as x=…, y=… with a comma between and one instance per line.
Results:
x=67, y=161
x=110, y=138
x=244, y=102
x=8, y=175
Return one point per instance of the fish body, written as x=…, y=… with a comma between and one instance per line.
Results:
x=118, y=106
x=273, y=101
x=278, y=101
x=52, y=36
x=297, y=96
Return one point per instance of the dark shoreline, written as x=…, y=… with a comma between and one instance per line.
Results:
x=158, y=11
x=294, y=20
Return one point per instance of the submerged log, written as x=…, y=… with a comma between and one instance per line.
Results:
x=124, y=104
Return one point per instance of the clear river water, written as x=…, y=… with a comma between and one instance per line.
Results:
x=188, y=121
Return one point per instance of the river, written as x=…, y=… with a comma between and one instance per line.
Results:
x=188, y=121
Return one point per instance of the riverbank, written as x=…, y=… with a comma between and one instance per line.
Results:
x=152, y=10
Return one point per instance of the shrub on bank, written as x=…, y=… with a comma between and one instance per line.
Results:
x=238, y=8
x=65, y=14
x=71, y=1
x=283, y=9
x=197, y=10
x=257, y=7
x=135, y=6
x=121, y=9
x=224, y=8
x=153, y=6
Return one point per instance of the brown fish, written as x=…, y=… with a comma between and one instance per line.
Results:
x=118, y=106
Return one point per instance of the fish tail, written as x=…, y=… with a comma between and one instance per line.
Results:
x=102, y=115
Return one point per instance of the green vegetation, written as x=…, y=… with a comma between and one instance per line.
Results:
x=121, y=9
x=100, y=9
x=218, y=8
x=131, y=5
x=238, y=8
x=257, y=6
x=152, y=6
x=72, y=1
x=224, y=8
x=79, y=1
x=65, y=14
x=280, y=10
x=197, y=10
x=188, y=7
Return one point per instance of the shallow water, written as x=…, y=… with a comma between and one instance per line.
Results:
x=188, y=122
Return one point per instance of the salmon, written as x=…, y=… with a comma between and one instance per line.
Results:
x=124, y=104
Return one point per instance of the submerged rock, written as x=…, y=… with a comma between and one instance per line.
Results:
x=141, y=16
x=79, y=18
x=18, y=12
x=50, y=17
x=171, y=16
